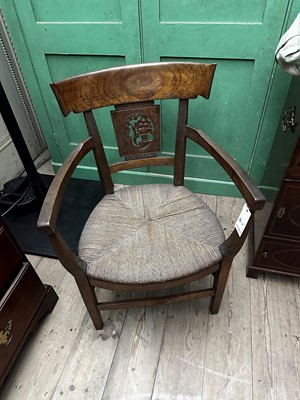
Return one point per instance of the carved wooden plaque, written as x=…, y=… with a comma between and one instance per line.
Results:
x=137, y=130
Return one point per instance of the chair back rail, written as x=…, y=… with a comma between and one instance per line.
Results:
x=129, y=84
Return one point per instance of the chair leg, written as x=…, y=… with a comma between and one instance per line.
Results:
x=220, y=281
x=89, y=297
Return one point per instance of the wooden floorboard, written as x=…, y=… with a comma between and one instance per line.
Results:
x=275, y=337
x=133, y=370
x=227, y=368
x=181, y=361
x=249, y=351
x=86, y=370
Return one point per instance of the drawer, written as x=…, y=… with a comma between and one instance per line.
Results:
x=294, y=168
x=17, y=308
x=285, y=219
x=278, y=255
x=10, y=260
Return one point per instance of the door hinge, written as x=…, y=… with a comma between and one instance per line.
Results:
x=288, y=121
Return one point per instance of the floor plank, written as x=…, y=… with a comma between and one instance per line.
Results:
x=86, y=370
x=227, y=367
x=275, y=337
x=34, y=260
x=134, y=367
x=181, y=362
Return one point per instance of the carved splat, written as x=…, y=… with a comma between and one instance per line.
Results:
x=137, y=128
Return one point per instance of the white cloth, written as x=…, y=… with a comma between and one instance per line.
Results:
x=287, y=53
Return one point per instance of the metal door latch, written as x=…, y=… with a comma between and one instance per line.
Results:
x=288, y=120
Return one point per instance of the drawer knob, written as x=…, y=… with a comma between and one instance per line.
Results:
x=280, y=212
x=265, y=254
x=6, y=334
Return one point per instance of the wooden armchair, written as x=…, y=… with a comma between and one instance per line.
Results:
x=147, y=237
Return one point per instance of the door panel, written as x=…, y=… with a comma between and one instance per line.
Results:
x=240, y=37
x=212, y=11
x=71, y=37
x=61, y=66
x=90, y=11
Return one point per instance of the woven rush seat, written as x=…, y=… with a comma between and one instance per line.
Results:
x=150, y=234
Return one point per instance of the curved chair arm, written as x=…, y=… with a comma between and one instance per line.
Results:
x=247, y=187
x=253, y=196
x=49, y=212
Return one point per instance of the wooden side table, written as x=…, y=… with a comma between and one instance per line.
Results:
x=24, y=300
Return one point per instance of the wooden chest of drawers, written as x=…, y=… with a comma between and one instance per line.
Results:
x=24, y=300
x=279, y=249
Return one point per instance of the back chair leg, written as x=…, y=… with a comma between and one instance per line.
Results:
x=89, y=297
x=220, y=281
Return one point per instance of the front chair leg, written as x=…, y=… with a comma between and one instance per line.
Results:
x=220, y=281
x=89, y=297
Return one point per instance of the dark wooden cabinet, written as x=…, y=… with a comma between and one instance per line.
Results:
x=24, y=300
x=279, y=249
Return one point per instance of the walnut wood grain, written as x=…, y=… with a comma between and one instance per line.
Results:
x=146, y=162
x=128, y=84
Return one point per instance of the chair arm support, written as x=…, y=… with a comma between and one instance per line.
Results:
x=253, y=196
x=49, y=212
x=74, y=264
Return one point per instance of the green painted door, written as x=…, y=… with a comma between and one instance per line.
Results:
x=56, y=39
x=240, y=37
